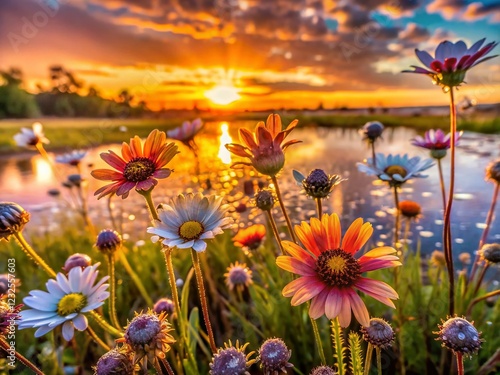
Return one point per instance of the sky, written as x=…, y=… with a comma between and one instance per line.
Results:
x=259, y=54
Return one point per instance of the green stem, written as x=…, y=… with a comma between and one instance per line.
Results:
x=112, y=291
x=407, y=230
x=105, y=325
x=97, y=339
x=282, y=205
x=203, y=299
x=368, y=359
x=338, y=341
x=275, y=231
x=479, y=299
x=137, y=281
x=26, y=362
x=317, y=338
x=480, y=278
x=379, y=360
x=398, y=215
x=149, y=200
x=319, y=208
x=33, y=255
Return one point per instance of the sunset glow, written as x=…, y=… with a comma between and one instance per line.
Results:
x=223, y=94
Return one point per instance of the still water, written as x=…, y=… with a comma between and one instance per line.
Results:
x=26, y=178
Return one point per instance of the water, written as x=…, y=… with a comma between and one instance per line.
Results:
x=25, y=179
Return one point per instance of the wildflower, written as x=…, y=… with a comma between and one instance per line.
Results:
x=464, y=258
x=250, y=237
x=493, y=171
x=118, y=361
x=31, y=137
x=189, y=221
x=186, y=132
x=459, y=335
x=490, y=252
x=108, y=241
x=148, y=335
x=66, y=302
x=438, y=259
x=317, y=184
x=8, y=316
x=238, y=276
x=329, y=272
x=274, y=356
x=410, y=209
x=165, y=305
x=436, y=141
x=323, y=370
x=452, y=61
x=372, y=130
x=77, y=260
x=379, y=333
x=264, y=199
x=75, y=180
x=264, y=147
x=231, y=360
x=71, y=158
x=395, y=169
x=13, y=218
x=139, y=166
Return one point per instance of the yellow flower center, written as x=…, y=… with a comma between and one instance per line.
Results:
x=190, y=230
x=139, y=169
x=71, y=303
x=337, y=268
x=337, y=264
x=396, y=169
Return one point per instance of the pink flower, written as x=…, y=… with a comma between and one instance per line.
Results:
x=436, y=141
x=451, y=61
x=329, y=272
x=186, y=132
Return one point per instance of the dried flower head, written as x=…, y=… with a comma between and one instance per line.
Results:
x=274, y=356
x=118, y=361
x=323, y=370
x=264, y=199
x=459, y=335
x=108, y=241
x=372, y=130
x=231, y=360
x=438, y=259
x=148, y=335
x=250, y=237
x=238, y=276
x=8, y=317
x=410, y=209
x=77, y=260
x=490, y=252
x=13, y=218
x=165, y=305
x=379, y=333
x=317, y=184
x=493, y=171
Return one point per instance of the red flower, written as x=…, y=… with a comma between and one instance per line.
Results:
x=250, y=237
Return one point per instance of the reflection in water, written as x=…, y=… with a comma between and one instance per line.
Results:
x=224, y=154
x=42, y=170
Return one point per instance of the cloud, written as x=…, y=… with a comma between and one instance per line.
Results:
x=449, y=9
x=479, y=10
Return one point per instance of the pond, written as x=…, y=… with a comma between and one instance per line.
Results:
x=26, y=178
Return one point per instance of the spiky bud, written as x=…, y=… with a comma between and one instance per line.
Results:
x=231, y=360
x=238, y=276
x=264, y=199
x=459, y=335
x=323, y=370
x=317, y=184
x=491, y=252
x=108, y=241
x=118, y=361
x=274, y=356
x=165, y=305
x=379, y=333
x=493, y=171
x=13, y=218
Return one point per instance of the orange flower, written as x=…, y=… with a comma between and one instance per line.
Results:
x=139, y=167
x=329, y=272
x=250, y=237
x=410, y=209
x=264, y=147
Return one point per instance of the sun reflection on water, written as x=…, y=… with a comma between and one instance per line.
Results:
x=224, y=155
x=42, y=170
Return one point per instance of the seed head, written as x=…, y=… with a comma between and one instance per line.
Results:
x=165, y=305
x=491, y=252
x=372, y=130
x=379, y=333
x=274, y=356
x=77, y=260
x=493, y=171
x=264, y=199
x=238, y=276
x=460, y=336
x=318, y=184
x=231, y=360
x=323, y=370
x=118, y=361
x=108, y=241
x=13, y=218
x=410, y=209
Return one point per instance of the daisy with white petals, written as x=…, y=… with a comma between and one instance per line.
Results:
x=66, y=301
x=31, y=137
x=189, y=220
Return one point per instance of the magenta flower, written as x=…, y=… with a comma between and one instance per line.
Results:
x=436, y=141
x=451, y=61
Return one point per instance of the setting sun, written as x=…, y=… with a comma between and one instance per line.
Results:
x=223, y=94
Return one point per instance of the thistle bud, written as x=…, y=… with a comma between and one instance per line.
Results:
x=108, y=241
x=460, y=336
x=274, y=356
x=13, y=218
x=264, y=199
x=379, y=333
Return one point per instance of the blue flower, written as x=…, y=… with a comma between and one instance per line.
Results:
x=395, y=169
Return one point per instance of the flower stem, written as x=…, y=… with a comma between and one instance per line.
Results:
x=486, y=230
x=137, y=281
x=479, y=299
x=368, y=359
x=338, y=343
x=105, y=325
x=441, y=183
x=97, y=339
x=447, y=215
x=397, y=224
x=282, y=205
x=374, y=159
x=480, y=278
x=317, y=338
x=203, y=298
x=149, y=200
x=460, y=363
x=25, y=361
x=275, y=231
x=112, y=291
x=407, y=230
x=319, y=208
x=379, y=360
x=167, y=366
x=33, y=255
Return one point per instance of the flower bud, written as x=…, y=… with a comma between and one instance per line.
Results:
x=264, y=199
x=493, y=171
x=165, y=305
x=108, y=241
x=77, y=260
x=13, y=218
x=372, y=130
x=460, y=336
x=323, y=370
x=274, y=356
x=491, y=252
x=231, y=360
x=379, y=333
x=238, y=276
x=118, y=361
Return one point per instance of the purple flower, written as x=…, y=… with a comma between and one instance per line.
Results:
x=436, y=141
x=451, y=61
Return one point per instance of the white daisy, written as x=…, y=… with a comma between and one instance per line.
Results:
x=395, y=169
x=67, y=299
x=31, y=137
x=72, y=158
x=190, y=220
